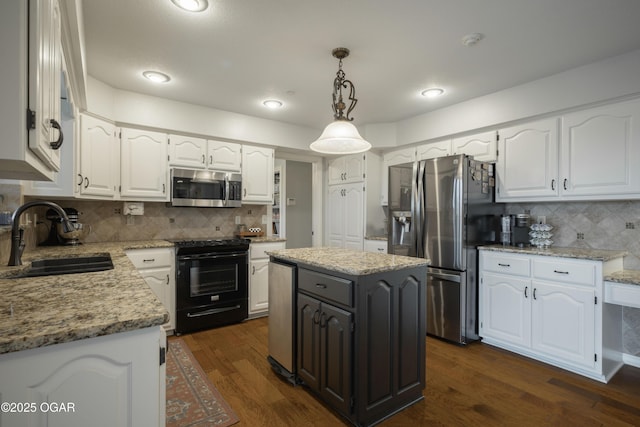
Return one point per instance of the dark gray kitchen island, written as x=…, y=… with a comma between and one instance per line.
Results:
x=359, y=329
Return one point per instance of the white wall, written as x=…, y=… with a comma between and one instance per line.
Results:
x=612, y=78
x=132, y=108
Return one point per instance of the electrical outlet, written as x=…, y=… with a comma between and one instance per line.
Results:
x=238, y=220
x=264, y=219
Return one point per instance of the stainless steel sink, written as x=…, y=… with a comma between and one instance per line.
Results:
x=72, y=265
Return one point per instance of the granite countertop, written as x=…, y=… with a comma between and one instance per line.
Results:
x=579, y=253
x=266, y=239
x=629, y=277
x=41, y=311
x=347, y=260
x=381, y=238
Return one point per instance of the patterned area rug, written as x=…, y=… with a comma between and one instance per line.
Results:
x=191, y=398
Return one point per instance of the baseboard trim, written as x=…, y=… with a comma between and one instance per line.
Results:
x=632, y=360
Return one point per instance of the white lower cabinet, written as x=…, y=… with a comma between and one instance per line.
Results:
x=377, y=246
x=112, y=380
x=157, y=268
x=259, y=277
x=551, y=309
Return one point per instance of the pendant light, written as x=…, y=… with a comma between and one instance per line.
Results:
x=341, y=136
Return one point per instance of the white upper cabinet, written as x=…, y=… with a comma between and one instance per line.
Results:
x=199, y=153
x=527, y=166
x=31, y=70
x=257, y=175
x=187, y=151
x=482, y=146
x=600, y=151
x=592, y=157
x=398, y=157
x=224, y=156
x=99, y=166
x=434, y=149
x=346, y=169
x=144, y=167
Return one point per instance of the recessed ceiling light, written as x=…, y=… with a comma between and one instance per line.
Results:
x=272, y=103
x=156, y=76
x=191, y=5
x=433, y=92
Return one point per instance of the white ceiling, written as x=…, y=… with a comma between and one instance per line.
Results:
x=240, y=52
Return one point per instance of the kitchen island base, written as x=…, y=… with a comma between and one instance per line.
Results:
x=361, y=332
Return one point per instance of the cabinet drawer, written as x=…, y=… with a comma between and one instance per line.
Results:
x=506, y=264
x=151, y=258
x=259, y=250
x=327, y=287
x=580, y=273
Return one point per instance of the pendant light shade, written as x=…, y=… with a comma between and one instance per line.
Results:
x=341, y=136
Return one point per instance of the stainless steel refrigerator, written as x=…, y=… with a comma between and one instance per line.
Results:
x=442, y=209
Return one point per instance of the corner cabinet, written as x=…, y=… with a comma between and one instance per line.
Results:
x=144, y=173
x=551, y=309
x=259, y=277
x=31, y=68
x=257, y=175
x=361, y=340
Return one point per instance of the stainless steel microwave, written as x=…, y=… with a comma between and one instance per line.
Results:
x=202, y=188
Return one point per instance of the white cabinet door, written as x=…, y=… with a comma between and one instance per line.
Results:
x=483, y=146
x=527, y=166
x=434, y=149
x=600, y=149
x=345, y=216
x=144, y=173
x=407, y=155
x=259, y=285
x=257, y=175
x=44, y=96
x=563, y=322
x=346, y=169
x=99, y=166
x=225, y=156
x=186, y=151
x=505, y=309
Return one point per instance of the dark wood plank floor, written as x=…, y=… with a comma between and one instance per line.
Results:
x=476, y=385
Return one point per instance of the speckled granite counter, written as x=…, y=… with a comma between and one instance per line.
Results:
x=381, y=238
x=47, y=310
x=629, y=277
x=348, y=261
x=579, y=253
x=266, y=239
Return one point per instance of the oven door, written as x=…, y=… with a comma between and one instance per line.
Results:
x=211, y=278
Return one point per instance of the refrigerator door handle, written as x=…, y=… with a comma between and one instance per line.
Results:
x=418, y=214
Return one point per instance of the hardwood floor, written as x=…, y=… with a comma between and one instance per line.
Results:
x=476, y=385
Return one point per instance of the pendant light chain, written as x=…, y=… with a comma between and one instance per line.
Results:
x=339, y=83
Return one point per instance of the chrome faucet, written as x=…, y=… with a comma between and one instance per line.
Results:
x=17, y=233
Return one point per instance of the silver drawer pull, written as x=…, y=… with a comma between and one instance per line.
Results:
x=560, y=272
x=504, y=265
x=321, y=286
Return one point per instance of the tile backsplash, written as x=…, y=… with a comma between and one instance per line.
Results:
x=597, y=225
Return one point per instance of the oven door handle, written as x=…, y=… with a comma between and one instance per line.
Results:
x=213, y=311
x=211, y=256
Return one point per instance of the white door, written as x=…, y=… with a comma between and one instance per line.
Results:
x=505, y=309
x=482, y=146
x=335, y=216
x=527, y=166
x=225, y=156
x=563, y=322
x=186, y=151
x=257, y=174
x=144, y=165
x=99, y=158
x=353, y=216
x=600, y=151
